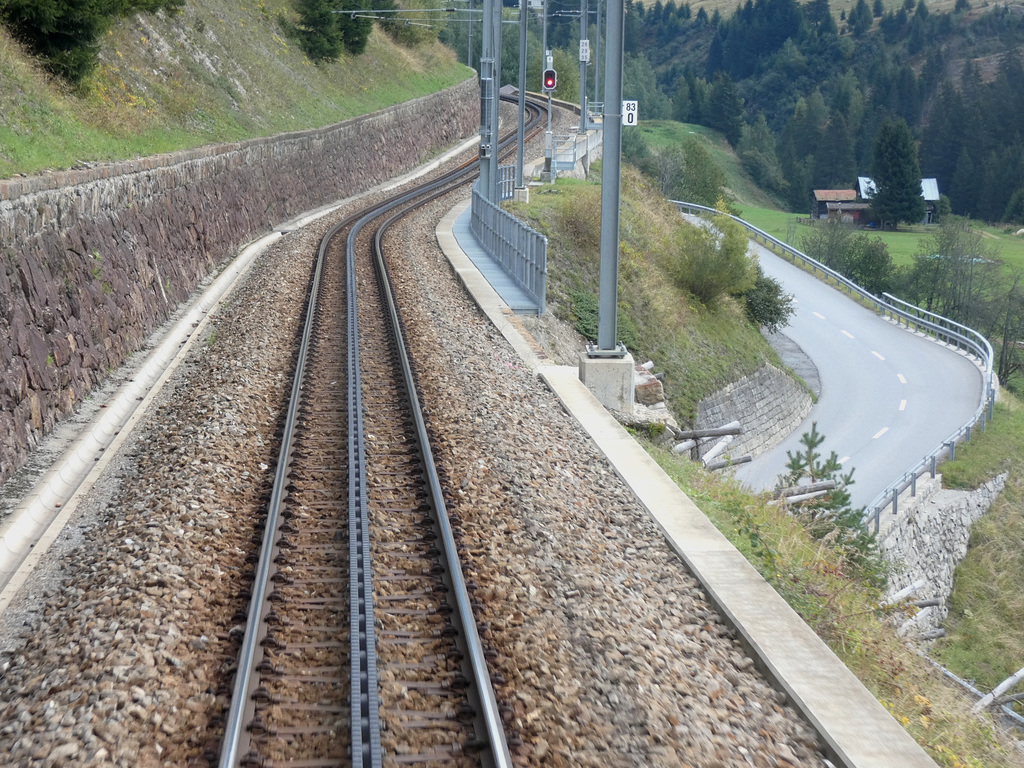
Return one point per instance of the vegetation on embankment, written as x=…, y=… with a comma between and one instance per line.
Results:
x=985, y=630
x=700, y=347
x=216, y=71
x=839, y=602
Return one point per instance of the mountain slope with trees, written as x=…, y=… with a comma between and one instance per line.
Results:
x=807, y=95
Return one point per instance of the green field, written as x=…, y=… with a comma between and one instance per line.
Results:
x=903, y=245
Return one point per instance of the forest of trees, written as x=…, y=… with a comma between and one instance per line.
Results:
x=802, y=98
x=65, y=33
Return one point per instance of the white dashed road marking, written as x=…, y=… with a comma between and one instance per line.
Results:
x=880, y=432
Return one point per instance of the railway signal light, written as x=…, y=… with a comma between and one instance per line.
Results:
x=550, y=80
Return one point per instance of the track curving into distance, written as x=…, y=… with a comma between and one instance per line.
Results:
x=350, y=659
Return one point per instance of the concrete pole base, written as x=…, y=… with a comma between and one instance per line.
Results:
x=522, y=195
x=610, y=380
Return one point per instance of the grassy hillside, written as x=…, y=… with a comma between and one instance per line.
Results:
x=985, y=628
x=700, y=348
x=217, y=71
x=661, y=134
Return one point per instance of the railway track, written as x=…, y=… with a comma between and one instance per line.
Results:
x=360, y=643
x=609, y=649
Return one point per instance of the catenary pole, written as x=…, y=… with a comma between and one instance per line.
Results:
x=597, y=55
x=608, y=290
x=488, y=93
x=584, y=11
x=524, y=15
x=495, y=22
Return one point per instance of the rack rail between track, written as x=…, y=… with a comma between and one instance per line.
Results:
x=348, y=659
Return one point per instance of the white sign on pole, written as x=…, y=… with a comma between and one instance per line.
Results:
x=629, y=113
x=585, y=51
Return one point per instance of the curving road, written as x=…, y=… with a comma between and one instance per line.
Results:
x=888, y=396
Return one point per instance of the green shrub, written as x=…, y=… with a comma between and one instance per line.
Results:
x=710, y=262
x=767, y=305
x=583, y=306
x=585, y=314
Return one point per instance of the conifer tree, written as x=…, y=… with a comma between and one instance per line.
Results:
x=830, y=517
x=725, y=108
x=897, y=176
x=66, y=33
x=355, y=29
x=319, y=30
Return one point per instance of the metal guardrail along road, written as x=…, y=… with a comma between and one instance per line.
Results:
x=916, y=319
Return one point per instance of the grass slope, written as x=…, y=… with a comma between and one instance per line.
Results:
x=985, y=628
x=700, y=349
x=218, y=71
x=661, y=134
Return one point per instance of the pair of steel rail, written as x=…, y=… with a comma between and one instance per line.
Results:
x=365, y=724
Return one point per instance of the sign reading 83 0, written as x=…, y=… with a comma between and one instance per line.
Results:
x=629, y=113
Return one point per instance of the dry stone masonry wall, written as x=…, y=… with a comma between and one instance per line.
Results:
x=768, y=404
x=928, y=539
x=93, y=260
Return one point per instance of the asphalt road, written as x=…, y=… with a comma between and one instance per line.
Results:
x=888, y=396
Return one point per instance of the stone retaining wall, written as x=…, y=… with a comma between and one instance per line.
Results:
x=94, y=260
x=768, y=403
x=928, y=539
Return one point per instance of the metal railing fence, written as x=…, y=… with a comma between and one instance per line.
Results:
x=916, y=318
x=521, y=251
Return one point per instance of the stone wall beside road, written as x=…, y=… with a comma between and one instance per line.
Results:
x=769, y=405
x=928, y=539
x=93, y=260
